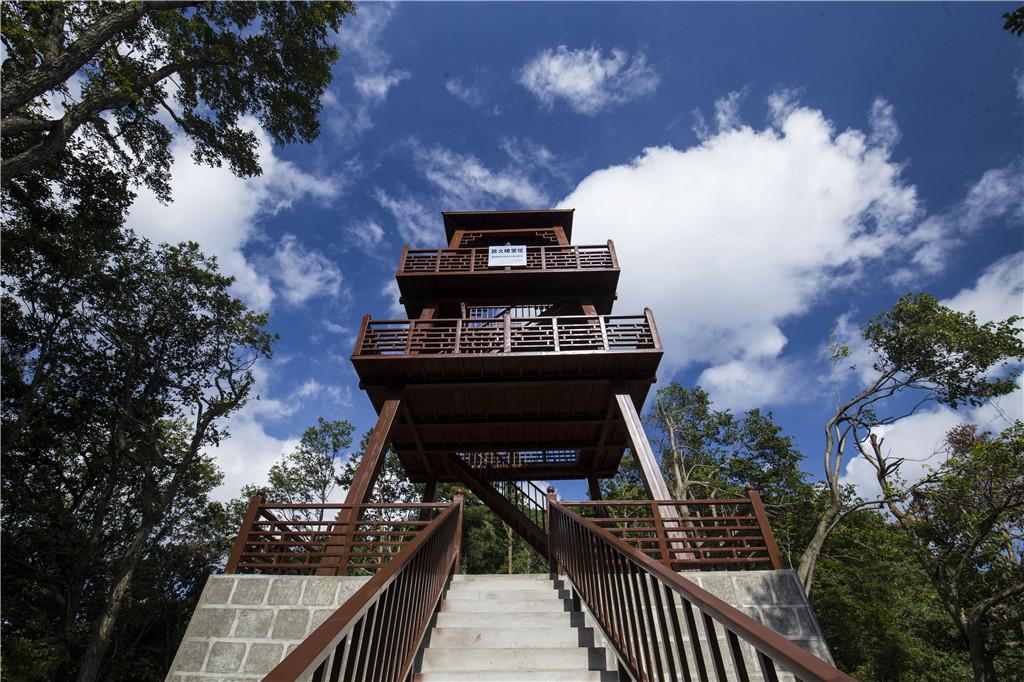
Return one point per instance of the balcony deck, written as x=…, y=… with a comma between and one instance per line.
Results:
x=527, y=385
x=550, y=271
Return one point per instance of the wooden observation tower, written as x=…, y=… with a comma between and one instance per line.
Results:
x=510, y=367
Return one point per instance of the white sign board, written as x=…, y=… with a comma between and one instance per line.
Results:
x=503, y=256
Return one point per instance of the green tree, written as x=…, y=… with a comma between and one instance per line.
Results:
x=119, y=367
x=965, y=526
x=118, y=68
x=308, y=474
x=880, y=615
x=924, y=353
x=392, y=485
x=712, y=453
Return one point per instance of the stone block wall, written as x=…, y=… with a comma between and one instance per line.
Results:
x=244, y=625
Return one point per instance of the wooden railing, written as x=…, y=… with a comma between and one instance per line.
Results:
x=376, y=634
x=325, y=539
x=653, y=618
x=507, y=335
x=714, y=534
x=526, y=496
x=538, y=258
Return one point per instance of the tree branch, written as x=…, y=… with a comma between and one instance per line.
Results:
x=19, y=91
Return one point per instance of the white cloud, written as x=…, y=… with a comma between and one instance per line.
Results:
x=782, y=103
x=465, y=181
x=727, y=110
x=303, y=274
x=744, y=384
x=728, y=239
x=247, y=454
x=367, y=235
x=882, y=121
x=222, y=212
x=395, y=308
x=467, y=94
x=586, y=79
x=998, y=293
x=994, y=196
x=417, y=225
x=369, y=64
x=375, y=87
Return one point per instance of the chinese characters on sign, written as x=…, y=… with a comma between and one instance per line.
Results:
x=502, y=256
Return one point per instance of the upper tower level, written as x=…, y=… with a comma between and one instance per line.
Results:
x=510, y=346
x=551, y=276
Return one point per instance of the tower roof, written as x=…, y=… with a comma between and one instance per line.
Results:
x=510, y=220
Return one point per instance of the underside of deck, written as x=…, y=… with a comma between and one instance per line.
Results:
x=546, y=430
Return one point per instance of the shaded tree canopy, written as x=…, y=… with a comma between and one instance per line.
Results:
x=115, y=74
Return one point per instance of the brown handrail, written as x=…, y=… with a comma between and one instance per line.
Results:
x=359, y=538
x=691, y=534
x=638, y=602
x=503, y=335
x=376, y=634
x=540, y=258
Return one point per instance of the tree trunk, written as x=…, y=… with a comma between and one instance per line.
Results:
x=103, y=629
x=808, y=560
x=981, y=662
x=511, y=539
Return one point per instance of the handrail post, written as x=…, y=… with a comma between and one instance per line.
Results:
x=362, y=334
x=552, y=562
x=459, y=500
x=615, y=257
x=659, y=529
x=766, y=528
x=508, y=331
x=255, y=502
x=401, y=260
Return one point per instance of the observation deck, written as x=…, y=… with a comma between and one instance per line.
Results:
x=540, y=389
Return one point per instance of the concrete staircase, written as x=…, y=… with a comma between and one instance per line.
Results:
x=510, y=628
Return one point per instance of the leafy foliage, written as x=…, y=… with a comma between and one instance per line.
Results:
x=118, y=369
x=118, y=68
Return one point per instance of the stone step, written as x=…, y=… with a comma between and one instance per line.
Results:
x=497, y=607
x=502, y=577
x=504, y=637
x=504, y=595
x=502, y=586
x=518, y=676
x=536, y=659
x=509, y=619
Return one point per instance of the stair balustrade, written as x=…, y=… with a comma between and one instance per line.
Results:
x=376, y=634
x=325, y=539
x=691, y=535
x=662, y=626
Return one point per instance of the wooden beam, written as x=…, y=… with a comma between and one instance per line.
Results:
x=641, y=447
x=594, y=487
x=362, y=485
x=373, y=458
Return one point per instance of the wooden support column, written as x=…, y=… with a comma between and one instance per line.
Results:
x=641, y=447
x=373, y=458
x=362, y=485
x=657, y=489
x=429, y=491
x=429, y=495
x=594, y=487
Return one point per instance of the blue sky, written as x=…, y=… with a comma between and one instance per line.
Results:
x=770, y=174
